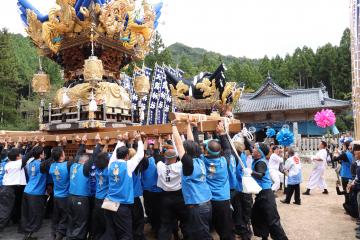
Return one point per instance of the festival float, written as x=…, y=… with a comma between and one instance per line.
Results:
x=93, y=41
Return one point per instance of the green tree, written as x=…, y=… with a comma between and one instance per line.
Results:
x=326, y=58
x=9, y=79
x=187, y=66
x=342, y=83
x=265, y=67
x=158, y=53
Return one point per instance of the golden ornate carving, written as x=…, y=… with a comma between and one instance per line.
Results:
x=35, y=27
x=206, y=87
x=197, y=104
x=112, y=17
x=236, y=95
x=227, y=91
x=62, y=19
x=180, y=90
x=111, y=93
x=231, y=90
x=115, y=20
x=140, y=35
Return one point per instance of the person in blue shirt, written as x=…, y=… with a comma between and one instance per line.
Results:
x=101, y=161
x=151, y=192
x=120, y=197
x=265, y=218
x=3, y=190
x=59, y=169
x=195, y=189
x=242, y=202
x=3, y=160
x=79, y=192
x=33, y=202
x=345, y=159
x=137, y=209
x=217, y=178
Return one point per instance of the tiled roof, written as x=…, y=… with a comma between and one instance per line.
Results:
x=271, y=97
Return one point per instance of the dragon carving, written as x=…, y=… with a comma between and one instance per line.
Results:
x=230, y=92
x=140, y=34
x=62, y=19
x=34, y=30
x=180, y=90
x=208, y=88
x=112, y=17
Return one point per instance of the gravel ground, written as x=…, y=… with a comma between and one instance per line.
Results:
x=319, y=217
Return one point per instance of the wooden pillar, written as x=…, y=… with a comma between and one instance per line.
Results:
x=355, y=65
x=49, y=113
x=104, y=111
x=78, y=110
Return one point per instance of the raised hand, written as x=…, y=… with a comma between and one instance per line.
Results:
x=220, y=129
x=77, y=138
x=97, y=138
x=84, y=139
x=126, y=137
x=137, y=136
x=120, y=137
x=64, y=140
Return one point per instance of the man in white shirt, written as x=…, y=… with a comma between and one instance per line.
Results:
x=173, y=205
x=317, y=178
x=13, y=178
x=274, y=164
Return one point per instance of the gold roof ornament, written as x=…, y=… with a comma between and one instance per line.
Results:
x=117, y=24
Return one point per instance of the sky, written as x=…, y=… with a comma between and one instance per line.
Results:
x=242, y=28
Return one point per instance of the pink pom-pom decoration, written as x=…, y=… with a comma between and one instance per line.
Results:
x=325, y=118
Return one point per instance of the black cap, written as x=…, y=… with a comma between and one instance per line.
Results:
x=264, y=148
x=356, y=146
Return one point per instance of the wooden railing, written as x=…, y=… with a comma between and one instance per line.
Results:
x=81, y=113
x=311, y=144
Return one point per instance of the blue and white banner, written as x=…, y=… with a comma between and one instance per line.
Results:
x=157, y=78
x=134, y=96
x=161, y=113
x=157, y=105
x=126, y=82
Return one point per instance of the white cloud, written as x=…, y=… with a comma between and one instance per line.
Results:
x=250, y=28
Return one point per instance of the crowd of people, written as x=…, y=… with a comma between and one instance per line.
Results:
x=346, y=161
x=187, y=185
x=182, y=183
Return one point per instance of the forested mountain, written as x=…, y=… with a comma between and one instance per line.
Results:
x=303, y=68
x=195, y=55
